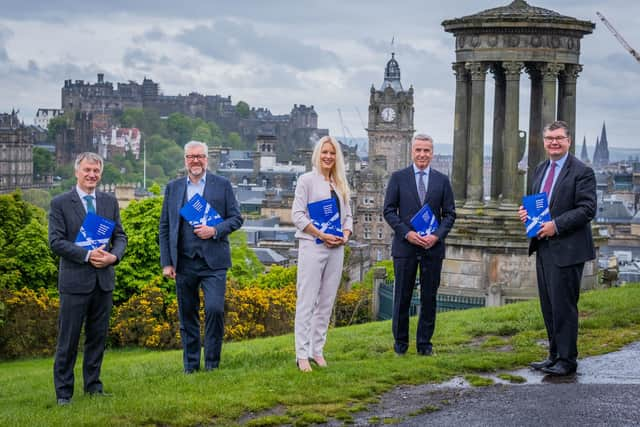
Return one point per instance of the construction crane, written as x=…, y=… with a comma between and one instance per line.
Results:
x=345, y=130
x=617, y=35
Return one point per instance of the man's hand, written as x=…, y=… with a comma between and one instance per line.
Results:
x=547, y=229
x=169, y=271
x=100, y=258
x=522, y=213
x=425, y=242
x=204, y=231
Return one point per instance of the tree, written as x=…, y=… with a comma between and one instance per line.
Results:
x=235, y=141
x=56, y=126
x=202, y=133
x=37, y=197
x=245, y=264
x=243, y=110
x=43, y=163
x=179, y=128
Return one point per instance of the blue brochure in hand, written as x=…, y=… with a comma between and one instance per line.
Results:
x=537, y=207
x=94, y=232
x=199, y=211
x=325, y=217
x=424, y=222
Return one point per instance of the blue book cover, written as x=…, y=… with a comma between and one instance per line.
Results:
x=325, y=217
x=198, y=211
x=537, y=207
x=94, y=232
x=424, y=222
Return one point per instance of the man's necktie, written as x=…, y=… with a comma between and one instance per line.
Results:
x=422, y=191
x=90, y=206
x=549, y=182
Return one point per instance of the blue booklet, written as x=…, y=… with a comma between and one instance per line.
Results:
x=325, y=217
x=198, y=211
x=94, y=232
x=424, y=222
x=537, y=207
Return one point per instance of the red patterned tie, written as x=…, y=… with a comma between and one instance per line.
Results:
x=549, y=182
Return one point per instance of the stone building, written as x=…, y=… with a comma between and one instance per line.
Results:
x=390, y=130
x=16, y=155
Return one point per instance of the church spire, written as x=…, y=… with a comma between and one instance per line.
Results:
x=584, y=156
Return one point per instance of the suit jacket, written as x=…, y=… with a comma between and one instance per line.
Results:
x=75, y=276
x=311, y=187
x=572, y=207
x=219, y=194
x=402, y=202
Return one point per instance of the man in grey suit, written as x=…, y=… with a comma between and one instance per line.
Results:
x=198, y=256
x=409, y=189
x=86, y=278
x=562, y=245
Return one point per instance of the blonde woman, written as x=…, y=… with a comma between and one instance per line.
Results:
x=319, y=264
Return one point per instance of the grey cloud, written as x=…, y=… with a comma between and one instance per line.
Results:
x=142, y=59
x=154, y=34
x=226, y=40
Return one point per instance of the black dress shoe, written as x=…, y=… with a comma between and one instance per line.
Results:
x=64, y=401
x=542, y=364
x=425, y=352
x=560, y=369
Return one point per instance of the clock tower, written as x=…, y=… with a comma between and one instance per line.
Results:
x=390, y=131
x=391, y=120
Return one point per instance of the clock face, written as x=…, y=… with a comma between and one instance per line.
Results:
x=388, y=114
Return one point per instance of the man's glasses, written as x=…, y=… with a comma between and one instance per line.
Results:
x=195, y=156
x=555, y=138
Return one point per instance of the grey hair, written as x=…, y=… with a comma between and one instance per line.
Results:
x=193, y=144
x=89, y=157
x=421, y=137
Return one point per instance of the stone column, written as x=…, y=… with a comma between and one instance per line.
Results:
x=497, y=160
x=550, y=73
x=511, y=135
x=475, y=151
x=567, y=99
x=536, y=148
x=460, y=133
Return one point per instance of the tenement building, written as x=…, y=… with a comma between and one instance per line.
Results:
x=16, y=158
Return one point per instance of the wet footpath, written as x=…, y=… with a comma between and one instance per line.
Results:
x=604, y=392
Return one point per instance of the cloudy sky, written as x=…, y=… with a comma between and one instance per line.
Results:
x=282, y=52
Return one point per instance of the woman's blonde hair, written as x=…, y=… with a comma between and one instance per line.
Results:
x=337, y=173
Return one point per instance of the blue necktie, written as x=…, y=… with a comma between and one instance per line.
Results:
x=90, y=206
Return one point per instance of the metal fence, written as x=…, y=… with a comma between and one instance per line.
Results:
x=444, y=302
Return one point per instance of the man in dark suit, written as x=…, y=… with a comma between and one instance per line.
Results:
x=408, y=190
x=86, y=278
x=198, y=256
x=562, y=245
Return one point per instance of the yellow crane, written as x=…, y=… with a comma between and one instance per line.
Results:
x=617, y=35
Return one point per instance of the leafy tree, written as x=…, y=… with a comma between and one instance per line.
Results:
x=243, y=110
x=155, y=189
x=43, y=162
x=24, y=249
x=202, y=133
x=132, y=117
x=111, y=174
x=217, y=136
x=56, y=126
x=179, y=128
x=141, y=262
x=245, y=264
x=235, y=141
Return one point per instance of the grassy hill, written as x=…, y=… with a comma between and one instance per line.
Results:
x=258, y=383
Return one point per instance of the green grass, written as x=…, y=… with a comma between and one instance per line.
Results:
x=259, y=384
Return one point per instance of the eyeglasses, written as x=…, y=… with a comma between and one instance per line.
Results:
x=555, y=138
x=195, y=156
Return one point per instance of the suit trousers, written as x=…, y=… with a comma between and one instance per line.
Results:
x=559, y=291
x=192, y=274
x=319, y=274
x=92, y=309
x=405, y=278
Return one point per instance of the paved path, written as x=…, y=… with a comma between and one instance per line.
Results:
x=605, y=392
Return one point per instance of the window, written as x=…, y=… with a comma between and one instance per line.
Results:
x=380, y=233
x=367, y=217
x=367, y=233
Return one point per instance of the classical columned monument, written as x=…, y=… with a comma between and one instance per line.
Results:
x=487, y=249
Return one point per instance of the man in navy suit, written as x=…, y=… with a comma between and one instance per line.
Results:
x=562, y=245
x=86, y=278
x=408, y=190
x=198, y=256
